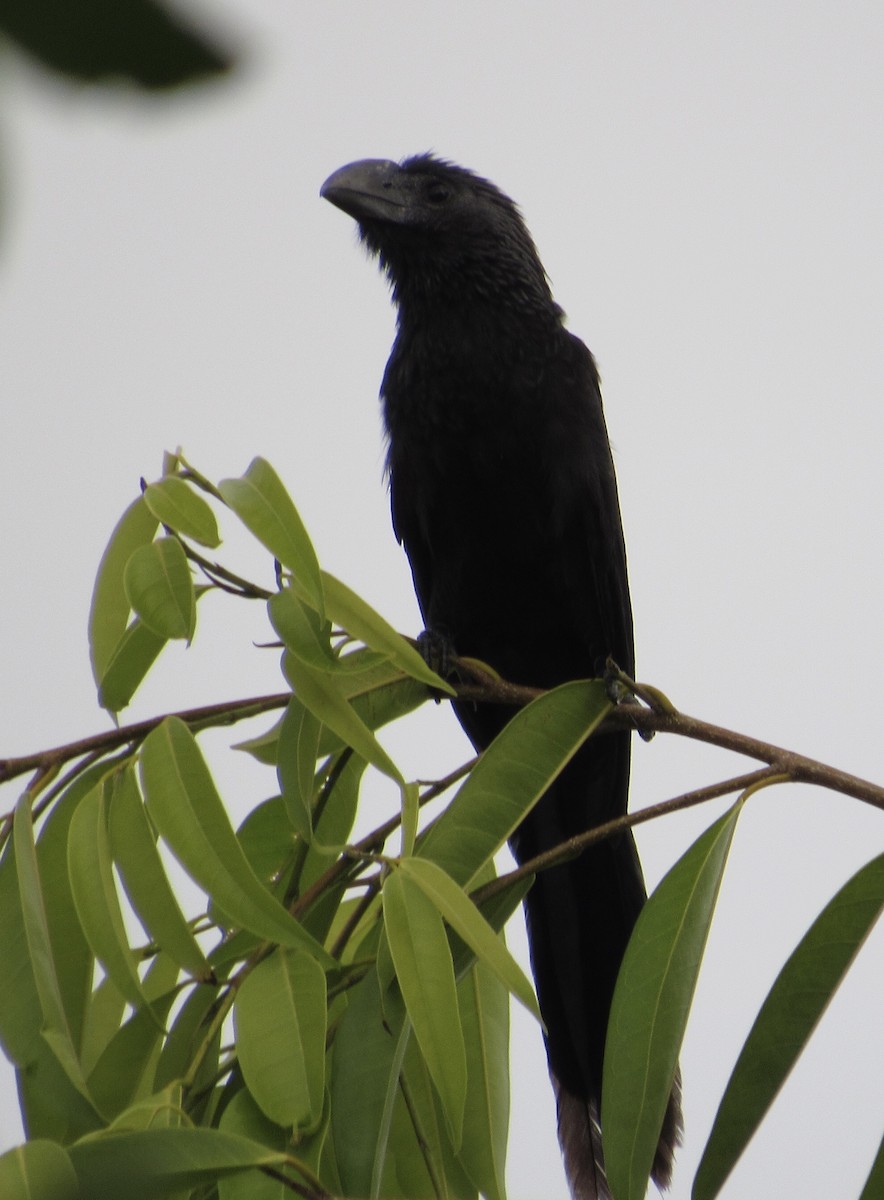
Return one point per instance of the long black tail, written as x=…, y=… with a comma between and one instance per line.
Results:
x=580, y=916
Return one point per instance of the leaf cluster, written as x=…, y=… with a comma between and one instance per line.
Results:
x=330, y=1018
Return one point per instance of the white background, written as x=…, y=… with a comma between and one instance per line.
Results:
x=704, y=183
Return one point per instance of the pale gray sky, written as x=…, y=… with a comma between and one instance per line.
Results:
x=704, y=183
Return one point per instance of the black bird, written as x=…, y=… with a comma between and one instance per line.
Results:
x=504, y=496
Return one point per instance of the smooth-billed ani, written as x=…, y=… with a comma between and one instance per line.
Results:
x=504, y=496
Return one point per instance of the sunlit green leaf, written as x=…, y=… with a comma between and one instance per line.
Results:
x=144, y=877
x=109, y=614
x=650, y=1008
x=174, y=503
x=789, y=1015
x=261, y=502
x=128, y=1058
x=159, y=587
x=296, y=766
x=186, y=1037
x=511, y=776
x=368, y=1051
x=304, y=633
x=280, y=1015
x=20, y=1013
x=104, y=1015
x=361, y=621
x=319, y=691
x=187, y=810
x=95, y=894
x=422, y=958
x=132, y=658
x=485, y=1014
x=56, y=1031
x=462, y=915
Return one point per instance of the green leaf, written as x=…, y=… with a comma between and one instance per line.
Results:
x=361, y=621
x=127, y=1061
x=368, y=1050
x=103, y=1018
x=787, y=1018
x=95, y=894
x=422, y=958
x=242, y=1116
x=511, y=776
x=39, y=1170
x=160, y=589
x=174, y=503
x=20, y=1013
x=280, y=1016
x=186, y=1037
x=133, y=656
x=56, y=1031
x=187, y=811
x=146, y=1164
x=461, y=914
x=296, y=766
x=52, y=1106
x=265, y=507
x=485, y=1014
x=73, y=956
x=304, y=633
x=650, y=1008
x=144, y=877
x=322, y=693
x=335, y=819
x=267, y=838
x=109, y=613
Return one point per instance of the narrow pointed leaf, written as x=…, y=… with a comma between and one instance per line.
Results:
x=422, y=958
x=131, y=659
x=361, y=621
x=187, y=810
x=118, y=1076
x=298, y=748
x=461, y=914
x=159, y=587
x=20, y=1015
x=38, y=1170
x=144, y=877
x=485, y=1013
x=147, y=1164
x=304, y=633
x=511, y=775
x=787, y=1018
x=56, y=1031
x=74, y=961
x=261, y=502
x=322, y=694
x=650, y=1008
x=367, y=1058
x=281, y=1015
x=242, y=1116
x=95, y=895
x=177, y=505
x=109, y=614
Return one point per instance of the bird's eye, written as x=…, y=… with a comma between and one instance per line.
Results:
x=438, y=193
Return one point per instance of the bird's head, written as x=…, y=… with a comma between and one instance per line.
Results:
x=440, y=230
